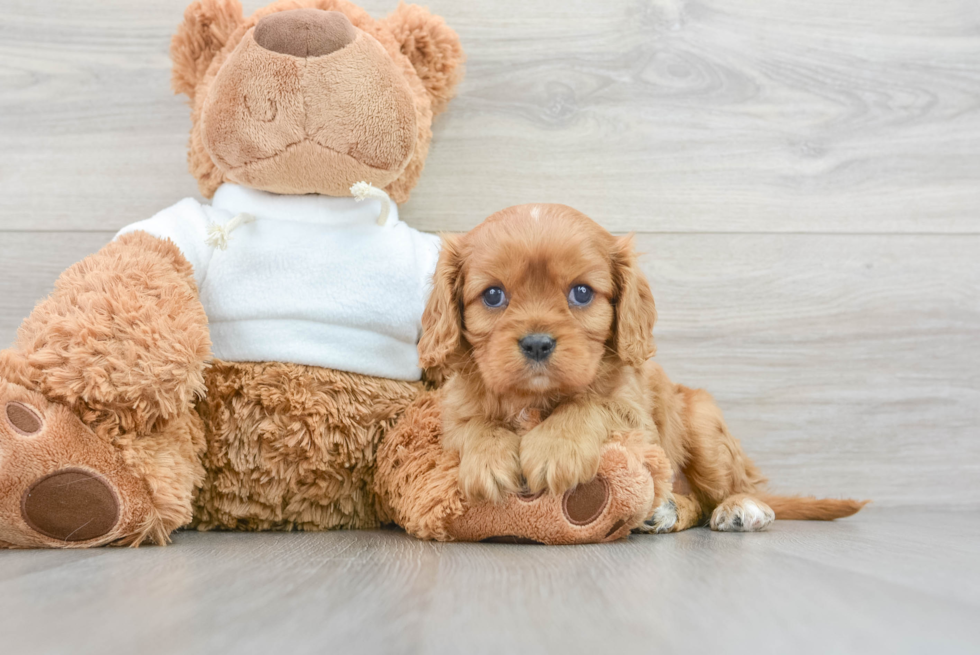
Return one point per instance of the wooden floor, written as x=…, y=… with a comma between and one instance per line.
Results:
x=891, y=581
x=804, y=178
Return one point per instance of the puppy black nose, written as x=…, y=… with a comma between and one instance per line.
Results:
x=537, y=347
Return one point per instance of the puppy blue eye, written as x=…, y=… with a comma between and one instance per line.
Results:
x=580, y=295
x=494, y=297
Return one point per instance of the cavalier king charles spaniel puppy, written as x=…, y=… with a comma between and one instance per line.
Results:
x=542, y=323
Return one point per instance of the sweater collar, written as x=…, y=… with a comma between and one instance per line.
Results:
x=321, y=210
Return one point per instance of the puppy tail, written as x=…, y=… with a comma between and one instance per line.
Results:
x=808, y=508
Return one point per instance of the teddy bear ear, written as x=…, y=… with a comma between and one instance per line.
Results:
x=207, y=26
x=432, y=47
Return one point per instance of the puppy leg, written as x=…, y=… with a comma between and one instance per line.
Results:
x=489, y=460
x=714, y=463
x=564, y=450
x=678, y=512
x=742, y=513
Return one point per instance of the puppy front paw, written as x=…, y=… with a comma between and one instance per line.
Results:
x=490, y=472
x=557, y=463
x=664, y=518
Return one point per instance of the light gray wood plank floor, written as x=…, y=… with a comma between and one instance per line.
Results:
x=886, y=581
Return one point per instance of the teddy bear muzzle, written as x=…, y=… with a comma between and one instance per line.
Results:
x=308, y=103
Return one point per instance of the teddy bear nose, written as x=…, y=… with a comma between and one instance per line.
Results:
x=305, y=32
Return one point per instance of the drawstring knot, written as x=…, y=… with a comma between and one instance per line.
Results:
x=364, y=190
x=220, y=235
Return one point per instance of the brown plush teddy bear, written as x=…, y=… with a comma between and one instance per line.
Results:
x=237, y=365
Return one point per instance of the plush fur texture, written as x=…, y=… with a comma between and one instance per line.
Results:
x=122, y=340
x=432, y=47
x=320, y=124
x=596, y=382
x=417, y=480
x=384, y=135
x=293, y=447
x=122, y=343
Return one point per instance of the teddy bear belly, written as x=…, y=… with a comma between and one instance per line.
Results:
x=293, y=447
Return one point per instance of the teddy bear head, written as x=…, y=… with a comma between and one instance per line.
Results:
x=312, y=96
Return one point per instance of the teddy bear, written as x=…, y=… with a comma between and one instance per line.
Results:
x=251, y=363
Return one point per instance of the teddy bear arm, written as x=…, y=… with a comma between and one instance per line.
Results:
x=122, y=341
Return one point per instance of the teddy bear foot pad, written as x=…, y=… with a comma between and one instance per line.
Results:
x=583, y=506
x=61, y=486
x=604, y=509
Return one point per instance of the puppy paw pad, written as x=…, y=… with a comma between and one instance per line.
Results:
x=71, y=505
x=585, y=503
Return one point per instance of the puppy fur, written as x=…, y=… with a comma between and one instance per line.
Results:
x=518, y=423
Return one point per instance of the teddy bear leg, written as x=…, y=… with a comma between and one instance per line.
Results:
x=417, y=481
x=292, y=447
x=607, y=508
x=64, y=486
x=99, y=438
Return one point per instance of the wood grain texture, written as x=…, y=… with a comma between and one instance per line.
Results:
x=867, y=584
x=668, y=115
x=846, y=365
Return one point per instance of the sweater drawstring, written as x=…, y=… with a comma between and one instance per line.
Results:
x=364, y=190
x=220, y=235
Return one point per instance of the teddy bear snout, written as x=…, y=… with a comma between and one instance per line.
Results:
x=305, y=32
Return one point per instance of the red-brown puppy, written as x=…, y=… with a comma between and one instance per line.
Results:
x=539, y=311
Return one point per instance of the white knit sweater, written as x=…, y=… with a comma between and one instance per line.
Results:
x=312, y=280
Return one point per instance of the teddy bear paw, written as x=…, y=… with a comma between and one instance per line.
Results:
x=60, y=484
x=603, y=509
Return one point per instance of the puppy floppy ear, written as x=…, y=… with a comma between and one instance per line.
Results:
x=635, y=309
x=442, y=322
x=207, y=26
x=433, y=48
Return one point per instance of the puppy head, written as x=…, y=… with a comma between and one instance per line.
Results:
x=538, y=297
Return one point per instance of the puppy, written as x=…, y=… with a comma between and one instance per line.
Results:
x=542, y=322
